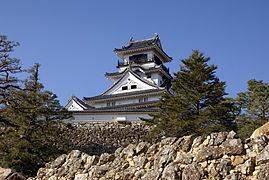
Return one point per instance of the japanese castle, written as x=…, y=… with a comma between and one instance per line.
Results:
x=139, y=84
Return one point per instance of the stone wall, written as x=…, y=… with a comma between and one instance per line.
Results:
x=216, y=156
x=96, y=138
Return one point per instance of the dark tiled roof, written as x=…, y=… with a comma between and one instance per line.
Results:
x=140, y=44
x=140, y=105
x=150, y=70
x=83, y=103
x=114, y=74
x=143, y=45
x=79, y=102
x=122, y=95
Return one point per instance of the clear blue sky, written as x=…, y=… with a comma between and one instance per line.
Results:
x=74, y=40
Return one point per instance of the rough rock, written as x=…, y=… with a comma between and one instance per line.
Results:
x=104, y=158
x=81, y=176
x=192, y=172
x=171, y=172
x=184, y=143
x=165, y=156
x=98, y=171
x=224, y=167
x=233, y=146
x=217, y=138
x=263, y=157
x=233, y=176
x=141, y=147
x=263, y=172
x=140, y=161
x=246, y=168
x=58, y=162
x=237, y=160
x=209, y=153
x=231, y=135
x=185, y=158
x=129, y=151
x=152, y=175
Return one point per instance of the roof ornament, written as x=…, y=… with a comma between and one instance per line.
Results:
x=156, y=35
x=131, y=39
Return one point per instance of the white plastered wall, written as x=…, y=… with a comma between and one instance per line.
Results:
x=156, y=78
x=73, y=106
x=127, y=101
x=107, y=117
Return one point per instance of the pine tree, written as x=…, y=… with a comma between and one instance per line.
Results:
x=198, y=105
x=255, y=107
x=9, y=67
x=31, y=136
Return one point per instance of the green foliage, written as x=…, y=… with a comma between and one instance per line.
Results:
x=8, y=67
x=198, y=105
x=255, y=107
x=29, y=120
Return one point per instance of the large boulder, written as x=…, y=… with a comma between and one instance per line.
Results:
x=8, y=174
x=263, y=130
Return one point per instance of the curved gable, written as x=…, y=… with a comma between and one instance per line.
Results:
x=130, y=82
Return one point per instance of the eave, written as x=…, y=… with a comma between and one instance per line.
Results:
x=129, y=95
x=110, y=112
x=159, y=52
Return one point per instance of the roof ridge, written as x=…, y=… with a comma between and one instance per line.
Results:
x=153, y=38
x=141, y=92
x=79, y=101
x=142, y=40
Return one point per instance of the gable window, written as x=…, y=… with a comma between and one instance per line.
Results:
x=124, y=88
x=133, y=86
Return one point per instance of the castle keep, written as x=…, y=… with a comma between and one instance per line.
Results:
x=140, y=82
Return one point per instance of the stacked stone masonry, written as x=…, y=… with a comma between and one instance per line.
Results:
x=214, y=157
x=96, y=138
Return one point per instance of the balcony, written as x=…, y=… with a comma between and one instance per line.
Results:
x=121, y=63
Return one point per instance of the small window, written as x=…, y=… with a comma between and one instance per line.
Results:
x=141, y=100
x=133, y=86
x=146, y=99
x=113, y=103
x=124, y=88
x=108, y=104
